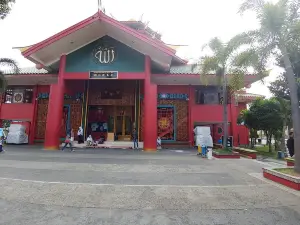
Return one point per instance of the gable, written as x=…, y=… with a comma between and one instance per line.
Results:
x=126, y=59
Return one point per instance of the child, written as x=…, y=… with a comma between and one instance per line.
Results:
x=1, y=144
x=68, y=142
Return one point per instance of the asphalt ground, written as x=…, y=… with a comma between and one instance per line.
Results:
x=106, y=186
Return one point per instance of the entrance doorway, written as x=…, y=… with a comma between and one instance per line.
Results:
x=114, y=123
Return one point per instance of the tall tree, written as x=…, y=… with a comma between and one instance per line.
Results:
x=266, y=115
x=5, y=7
x=226, y=58
x=279, y=30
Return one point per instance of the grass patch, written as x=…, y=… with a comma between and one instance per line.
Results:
x=264, y=151
x=221, y=151
x=288, y=171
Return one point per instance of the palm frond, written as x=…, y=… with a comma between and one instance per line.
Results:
x=216, y=45
x=10, y=63
x=251, y=5
x=5, y=7
x=245, y=59
x=293, y=10
x=273, y=18
x=208, y=65
x=237, y=79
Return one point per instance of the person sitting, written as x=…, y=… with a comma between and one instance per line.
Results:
x=89, y=141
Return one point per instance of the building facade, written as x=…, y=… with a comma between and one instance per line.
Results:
x=110, y=77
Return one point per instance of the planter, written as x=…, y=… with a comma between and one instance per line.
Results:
x=246, y=152
x=290, y=161
x=233, y=155
x=282, y=178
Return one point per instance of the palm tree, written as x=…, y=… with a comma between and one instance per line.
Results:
x=226, y=59
x=5, y=7
x=6, y=62
x=279, y=29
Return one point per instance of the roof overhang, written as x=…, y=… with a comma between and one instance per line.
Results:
x=31, y=79
x=99, y=25
x=194, y=79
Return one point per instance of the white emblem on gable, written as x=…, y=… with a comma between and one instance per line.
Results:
x=105, y=55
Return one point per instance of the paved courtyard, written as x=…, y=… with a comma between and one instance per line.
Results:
x=126, y=187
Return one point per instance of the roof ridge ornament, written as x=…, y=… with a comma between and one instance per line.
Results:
x=100, y=7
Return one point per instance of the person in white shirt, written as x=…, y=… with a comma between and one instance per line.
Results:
x=158, y=141
x=80, y=135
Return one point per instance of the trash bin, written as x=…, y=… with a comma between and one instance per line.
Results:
x=209, y=153
x=259, y=140
x=204, y=150
x=280, y=155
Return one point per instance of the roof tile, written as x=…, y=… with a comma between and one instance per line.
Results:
x=26, y=70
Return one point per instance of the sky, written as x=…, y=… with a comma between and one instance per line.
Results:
x=190, y=22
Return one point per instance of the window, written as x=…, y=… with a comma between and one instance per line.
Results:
x=18, y=95
x=210, y=95
x=207, y=95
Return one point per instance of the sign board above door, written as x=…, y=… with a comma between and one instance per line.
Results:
x=104, y=75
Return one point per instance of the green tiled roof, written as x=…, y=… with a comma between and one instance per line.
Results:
x=185, y=69
x=27, y=70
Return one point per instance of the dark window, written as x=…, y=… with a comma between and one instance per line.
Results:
x=18, y=95
x=207, y=95
x=210, y=95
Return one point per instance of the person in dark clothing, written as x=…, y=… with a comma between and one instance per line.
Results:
x=135, y=139
x=290, y=143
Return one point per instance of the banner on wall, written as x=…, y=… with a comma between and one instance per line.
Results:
x=165, y=123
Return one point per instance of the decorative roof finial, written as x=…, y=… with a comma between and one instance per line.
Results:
x=100, y=6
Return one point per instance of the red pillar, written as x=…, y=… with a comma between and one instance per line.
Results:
x=234, y=116
x=34, y=114
x=55, y=109
x=190, y=121
x=150, y=109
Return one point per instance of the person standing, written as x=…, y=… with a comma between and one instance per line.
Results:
x=135, y=139
x=290, y=143
x=1, y=144
x=68, y=142
x=80, y=135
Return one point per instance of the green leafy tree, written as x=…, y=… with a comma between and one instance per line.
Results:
x=279, y=30
x=226, y=58
x=266, y=115
x=5, y=7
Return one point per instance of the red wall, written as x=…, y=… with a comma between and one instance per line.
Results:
x=206, y=113
x=198, y=113
x=173, y=89
x=18, y=111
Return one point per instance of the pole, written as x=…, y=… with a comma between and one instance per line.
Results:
x=225, y=111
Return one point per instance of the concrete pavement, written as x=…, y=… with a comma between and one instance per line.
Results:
x=126, y=187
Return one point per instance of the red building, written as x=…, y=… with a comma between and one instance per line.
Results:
x=110, y=76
